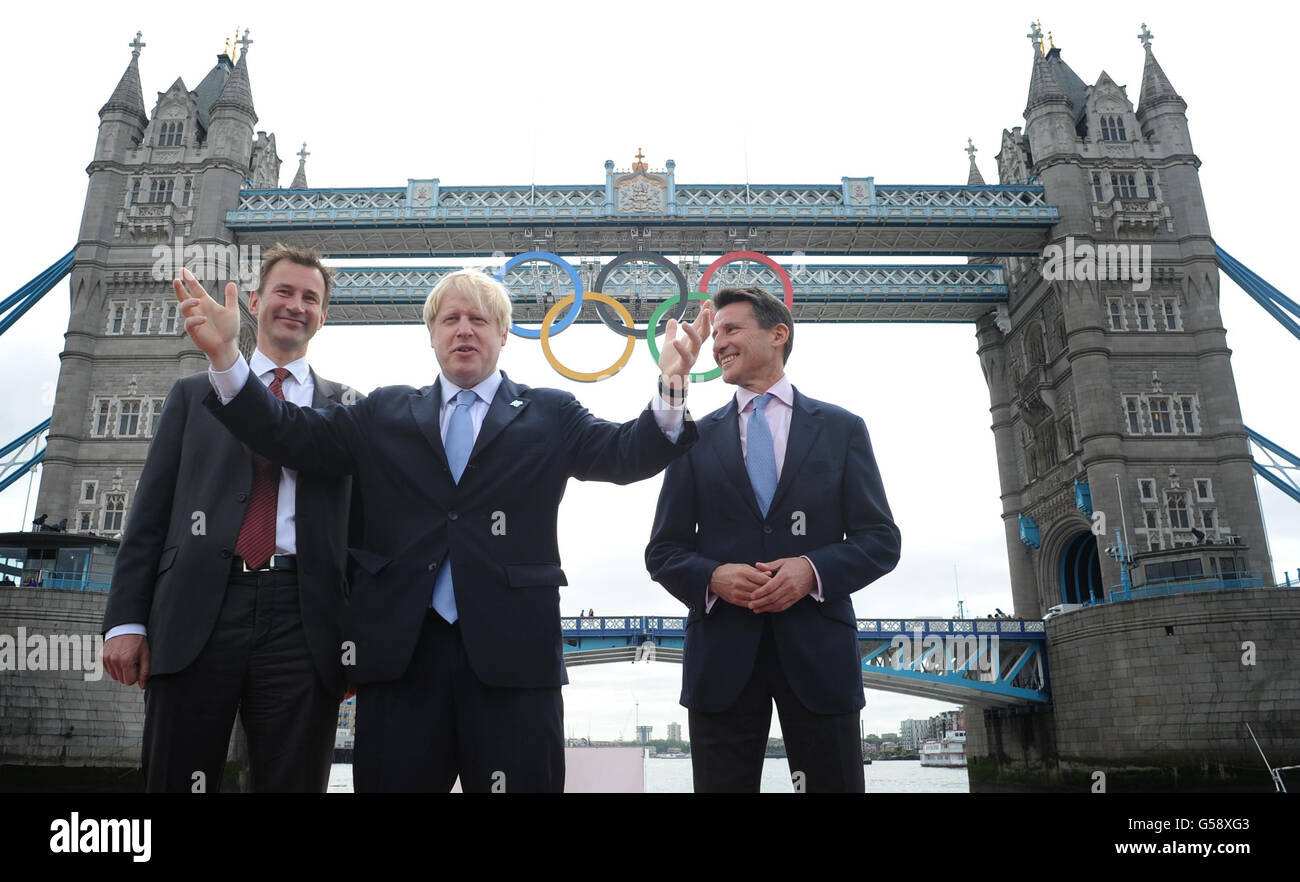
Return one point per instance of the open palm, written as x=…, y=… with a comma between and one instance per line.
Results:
x=677, y=356
x=213, y=328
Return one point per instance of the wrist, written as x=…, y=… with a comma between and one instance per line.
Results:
x=225, y=359
x=673, y=389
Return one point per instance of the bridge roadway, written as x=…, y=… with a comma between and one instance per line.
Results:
x=978, y=662
x=854, y=217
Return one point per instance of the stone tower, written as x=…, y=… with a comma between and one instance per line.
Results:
x=160, y=186
x=1115, y=413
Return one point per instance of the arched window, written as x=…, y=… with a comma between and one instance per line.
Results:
x=1112, y=128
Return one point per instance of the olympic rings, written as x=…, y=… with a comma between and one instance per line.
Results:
x=649, y=257
x=595, y=376
x=628, y=329
x=576, y=296
x=768, y=262
x=654, y=347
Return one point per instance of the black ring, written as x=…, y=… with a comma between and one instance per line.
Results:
x=613, y=322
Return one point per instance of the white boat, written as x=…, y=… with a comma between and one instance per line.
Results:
x=948, y=751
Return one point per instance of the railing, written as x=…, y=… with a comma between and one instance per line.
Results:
x=578, y=626
x=64, y=581
x=1165, y=587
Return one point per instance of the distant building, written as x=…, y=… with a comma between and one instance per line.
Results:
x=912, y=732
x=674, y=731
x=348, y=714
x=643, y=733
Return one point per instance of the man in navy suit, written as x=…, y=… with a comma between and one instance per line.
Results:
x=763, y=530
x=453, y=629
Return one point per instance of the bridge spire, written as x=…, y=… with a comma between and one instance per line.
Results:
x=639, y=165
x=300, y=179
x=974, y=178
x=128, y=97
x=1035, y=36
x=1156, y=88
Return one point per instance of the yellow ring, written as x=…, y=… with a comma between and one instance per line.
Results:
x=594, y=376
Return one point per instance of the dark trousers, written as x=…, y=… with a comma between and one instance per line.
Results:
x=824, y=751
x=439, y=721
x=256, y=662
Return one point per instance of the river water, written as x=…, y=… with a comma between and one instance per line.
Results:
x=674, y=776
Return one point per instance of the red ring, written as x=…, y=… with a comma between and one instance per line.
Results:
x=733, y=256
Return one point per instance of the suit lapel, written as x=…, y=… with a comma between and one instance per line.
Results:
x=506, y=405
x=805, y=426
x=725, y=441
x=425, y=406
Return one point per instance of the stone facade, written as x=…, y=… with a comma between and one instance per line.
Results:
x=1117, y=381
x=1155, y=694
x=160, y=186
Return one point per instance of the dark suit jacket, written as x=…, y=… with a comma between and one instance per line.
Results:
x=498, y=523
x=829, y=506
x=171, y=575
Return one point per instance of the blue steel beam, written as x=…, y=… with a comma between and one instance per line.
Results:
x=1280, y=480
x=24, y=438
x=17, y=304
x=24, y=469
x=1267, y=296
x=1010, y=647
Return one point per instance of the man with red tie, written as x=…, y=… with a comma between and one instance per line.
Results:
x=228, y=590
x=764, y=529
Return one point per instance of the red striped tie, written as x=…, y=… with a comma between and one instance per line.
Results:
x=257, y=536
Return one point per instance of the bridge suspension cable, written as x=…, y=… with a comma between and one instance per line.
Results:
x=12, y=467
x=13, y=307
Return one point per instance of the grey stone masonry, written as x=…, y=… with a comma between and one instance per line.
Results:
x=160, y=186
x=1111, y=365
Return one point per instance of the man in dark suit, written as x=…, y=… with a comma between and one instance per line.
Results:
x=763, y=530
x=228, y=589
x=453, y=627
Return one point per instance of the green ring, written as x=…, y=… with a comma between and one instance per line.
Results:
x=654, y=323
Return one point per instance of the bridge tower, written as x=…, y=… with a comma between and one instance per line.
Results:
x=160, y=186
x=1115, y=413
x=1114, y=404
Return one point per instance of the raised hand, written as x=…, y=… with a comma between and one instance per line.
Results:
x=213, y=328
x=677, y=356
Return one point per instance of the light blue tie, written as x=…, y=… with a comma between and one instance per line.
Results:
x=760, y=456
x=460, y=441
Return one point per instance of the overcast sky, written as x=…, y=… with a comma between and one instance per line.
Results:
x=508, y=93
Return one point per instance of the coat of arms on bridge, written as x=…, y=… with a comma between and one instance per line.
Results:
x=640, y=191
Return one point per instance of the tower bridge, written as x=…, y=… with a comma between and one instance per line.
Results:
x=1125, y=467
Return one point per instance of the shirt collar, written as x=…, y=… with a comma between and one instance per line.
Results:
x=486, y=390
x=260, y=364
x=781, y=390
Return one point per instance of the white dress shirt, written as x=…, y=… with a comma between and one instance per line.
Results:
x=778, y=413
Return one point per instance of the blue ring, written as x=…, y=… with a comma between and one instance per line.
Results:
x=549, y=257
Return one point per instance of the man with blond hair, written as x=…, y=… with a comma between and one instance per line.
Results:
x=453, y=631
x=228, y=589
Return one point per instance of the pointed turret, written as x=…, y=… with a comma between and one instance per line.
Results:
x=1043, y=86
x=122, y=119
x=237, y=94
x=1156, y=88
x=300, y=179
x=128, y=97
x=973, y=177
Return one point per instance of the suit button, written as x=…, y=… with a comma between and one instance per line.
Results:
x=432, y=567
x=241, y=497
x=225, y=552
x=451, y=515
x=767, y=528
